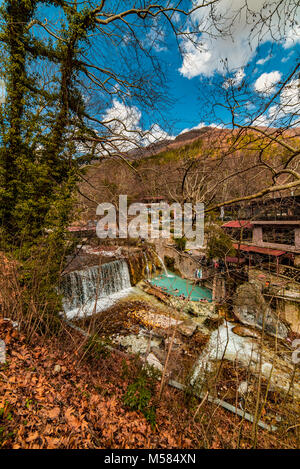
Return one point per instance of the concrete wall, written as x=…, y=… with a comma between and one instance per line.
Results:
x=257, y=239
x=297, y=238
x=290, y=310
x=257, y=236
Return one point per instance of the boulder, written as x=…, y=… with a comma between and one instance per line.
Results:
x=136, y=343
x=187, y=328
x=243, y=388
x=246, y=332
x=250, y=307
x=57, y=369
x=159, y=353
x=153, y=361
x=176, y=342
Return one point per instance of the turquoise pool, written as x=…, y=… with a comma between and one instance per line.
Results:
x=176, y=286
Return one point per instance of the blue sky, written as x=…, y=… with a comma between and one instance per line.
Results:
x=260, y=60
x=188, y=111
x=258, y=57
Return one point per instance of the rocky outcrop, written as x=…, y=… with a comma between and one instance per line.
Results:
x=246, y=332
x=141, y=263
x=251, y=309
x=187, y=328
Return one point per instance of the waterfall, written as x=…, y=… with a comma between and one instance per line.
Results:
x=163, y=266
x=95, y=288
x=147, y=265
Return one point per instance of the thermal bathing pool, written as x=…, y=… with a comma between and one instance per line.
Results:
x=177, y=286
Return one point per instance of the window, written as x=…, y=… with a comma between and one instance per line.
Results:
x=279, y=235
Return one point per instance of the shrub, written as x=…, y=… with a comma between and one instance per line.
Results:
x=139, y=394
x=5, y=418
x=180, y=243
x=96, y=347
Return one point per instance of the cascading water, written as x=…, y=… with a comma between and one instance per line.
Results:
x=94, y=289
x=147, y=265
x=167, y=274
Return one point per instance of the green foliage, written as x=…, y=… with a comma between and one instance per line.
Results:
x=39, y=166
x=97, y=348
x=180, y=243
x=219, y=244
x=169, y=262
x=5, y=419
x=190, y=150
x=189, y=309
x=139, y=394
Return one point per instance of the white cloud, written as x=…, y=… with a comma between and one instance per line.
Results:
x=236, y=80
x=155, y=134
x=266, y=82
x=287, y=106
x=200, y=126
x=262, y=121
x=289, y=98
x=239, y=47
x=121, y=118
x=155, y=40
x=125, y=124
x=287, y=58
x=292, y=37
x=263, y=61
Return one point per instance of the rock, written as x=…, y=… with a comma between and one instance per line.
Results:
x=156, y=320
x=267, y=369
x=243, y=388
x=176, y=342
x=136, y=343
x=187, y=328
x=153, y=361
x=2, y=352
x=250, y=307
x=160, y=354
x=57, y=369
x=14, y=324
x=213, y=323
x=205, y=309
x=245, y=332
x=225, y=345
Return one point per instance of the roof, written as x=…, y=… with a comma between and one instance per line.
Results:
x=260, y=250
x=276, y=222
x=238, y=224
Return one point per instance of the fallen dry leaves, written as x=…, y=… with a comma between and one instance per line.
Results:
x=76, y=408
x=82, y=405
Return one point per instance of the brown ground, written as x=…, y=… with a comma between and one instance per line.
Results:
x=81, y=405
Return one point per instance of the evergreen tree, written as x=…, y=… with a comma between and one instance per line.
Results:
x=47, y=70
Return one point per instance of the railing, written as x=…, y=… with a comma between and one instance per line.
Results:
x=272, y=217
x=285, y=271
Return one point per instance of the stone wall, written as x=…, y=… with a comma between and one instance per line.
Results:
x=251, y=309
x=140, y=263
x=183, y=262
x=290, y=310
x=287, y=309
